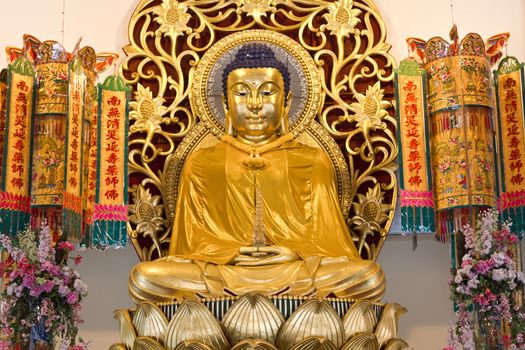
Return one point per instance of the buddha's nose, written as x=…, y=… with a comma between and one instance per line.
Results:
x=254, y=102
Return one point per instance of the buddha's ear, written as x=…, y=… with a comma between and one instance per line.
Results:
x=227, y=119
x=285, y=129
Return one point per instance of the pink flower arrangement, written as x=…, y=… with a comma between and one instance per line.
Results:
x=487, y=284
x=41, y=291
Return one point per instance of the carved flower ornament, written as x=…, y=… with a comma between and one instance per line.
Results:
x=370, y=109
x=370, y=211
x=173, y=19
x=146, y=213
x=146, y=111
x=342, y=18
x=258, y=8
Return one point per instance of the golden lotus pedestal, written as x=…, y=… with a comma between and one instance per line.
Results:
x=254, y=321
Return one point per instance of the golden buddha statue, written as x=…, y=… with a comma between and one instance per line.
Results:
x=258, y=175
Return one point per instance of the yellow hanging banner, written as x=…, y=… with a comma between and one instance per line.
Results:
x=15, y=196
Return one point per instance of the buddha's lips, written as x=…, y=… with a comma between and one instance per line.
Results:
x=256, y=119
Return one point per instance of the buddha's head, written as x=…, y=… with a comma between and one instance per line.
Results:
x=257, y=97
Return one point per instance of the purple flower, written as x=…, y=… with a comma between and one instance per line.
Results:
x=63, y=290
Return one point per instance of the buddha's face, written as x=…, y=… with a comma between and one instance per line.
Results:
x=256, y=102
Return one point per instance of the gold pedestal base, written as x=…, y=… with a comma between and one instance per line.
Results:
x=254, y=321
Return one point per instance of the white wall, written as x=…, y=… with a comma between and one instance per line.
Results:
x=416, y=279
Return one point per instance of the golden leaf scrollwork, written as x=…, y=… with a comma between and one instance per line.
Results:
x=345, y=38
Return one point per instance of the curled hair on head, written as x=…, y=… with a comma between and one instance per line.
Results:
x=256, y=55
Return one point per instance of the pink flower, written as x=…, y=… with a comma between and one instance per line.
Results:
x=77, y=259
x=66, y=246
x=72, y=298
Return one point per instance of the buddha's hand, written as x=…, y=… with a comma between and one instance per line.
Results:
x=269, y=255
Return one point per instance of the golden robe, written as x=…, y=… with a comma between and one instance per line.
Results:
x=215, y=217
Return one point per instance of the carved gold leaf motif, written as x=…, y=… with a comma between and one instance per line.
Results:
x=346, y=40
x=149, y=321
x=146, y=214
x=396, y=344
x=252, y=317
x=314, y=343
x=362, y=341
x=147, y=343
x=313, y=318
x=192, y=345
x=386, y=329
x=193, y=321
x=254, y=345
x=360, y=318
x=118, y=347
x=127, y=330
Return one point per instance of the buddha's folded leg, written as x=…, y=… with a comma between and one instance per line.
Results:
x=165, y=280
x=358, y=279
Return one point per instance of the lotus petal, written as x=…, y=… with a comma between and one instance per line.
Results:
x=314, y=343
x=127, y=330
x=360, y=318
x=147, y=343
x=396, y=344
x=149, y=321
x=252, y=317
x=193, y=321
x=254, y=345
x=192, y=345
x=386, y=329
x=363, y=341
x=312, y=318
x=118, y=346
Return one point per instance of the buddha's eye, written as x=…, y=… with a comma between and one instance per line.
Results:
x=240, y=90
x=267, y=92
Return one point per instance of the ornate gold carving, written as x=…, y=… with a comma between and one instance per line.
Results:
x=147, y=343
x=396, y=344
x=193, y=321
x=118, y=347
x=370, y=214
x=254, y=345
x=127, y=330
x=310, y=325
x=346, y=40
x=149, y=321
x=360, y=318
x=386, y=329
x=145, y=213
x=314, y=343
x=362, y=341
x=252, y=317
x=313, y=318
x=192, y=345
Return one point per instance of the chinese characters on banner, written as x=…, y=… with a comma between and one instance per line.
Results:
x=72, y=209
x=509, y=85
x=110, y=209
x=14, y=195
x=3, y=111
x=416, y=199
